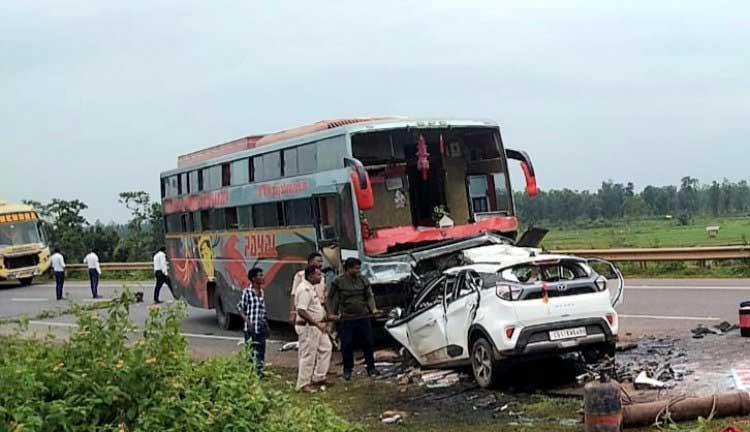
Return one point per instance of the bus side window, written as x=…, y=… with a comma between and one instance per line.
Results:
x=326, y=210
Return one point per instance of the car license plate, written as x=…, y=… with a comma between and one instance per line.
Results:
x=567, y=333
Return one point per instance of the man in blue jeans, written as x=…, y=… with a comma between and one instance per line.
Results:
x=252, y=308
x=350, y=297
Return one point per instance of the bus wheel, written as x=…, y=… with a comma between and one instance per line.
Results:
x=25, y=281
x=225, y=319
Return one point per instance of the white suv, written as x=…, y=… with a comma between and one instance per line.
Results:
x=511, y=302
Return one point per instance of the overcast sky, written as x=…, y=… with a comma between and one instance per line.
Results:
x=99, y=97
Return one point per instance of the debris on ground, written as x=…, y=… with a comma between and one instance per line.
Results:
x=642, y=381
x=626, y=346
x=720, y=329
x=392, y=417
x=290, y=346
x=386, y=355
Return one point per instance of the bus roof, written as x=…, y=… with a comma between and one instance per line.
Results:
x=318, y=130
x=9, y=207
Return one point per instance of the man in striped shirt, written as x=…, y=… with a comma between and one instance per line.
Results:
x=252, y=308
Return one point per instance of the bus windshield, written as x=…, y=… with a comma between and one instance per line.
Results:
x=19, y=233
x=426, y=178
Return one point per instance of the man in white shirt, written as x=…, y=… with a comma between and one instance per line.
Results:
x=92, y=263
x=58, y=269
x=161, y=271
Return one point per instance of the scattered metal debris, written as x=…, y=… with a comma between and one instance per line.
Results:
x=643, y=381
x=290, y=346
x=720, y=329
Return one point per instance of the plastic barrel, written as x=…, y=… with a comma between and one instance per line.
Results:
x=602, y=407
x=745, y=319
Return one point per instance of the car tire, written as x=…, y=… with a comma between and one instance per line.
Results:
x=225, y=319
x=25, y=281
x=483, y=364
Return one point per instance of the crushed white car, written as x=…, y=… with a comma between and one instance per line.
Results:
x=508, y=302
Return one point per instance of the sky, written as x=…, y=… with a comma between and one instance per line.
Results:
x=97, y=98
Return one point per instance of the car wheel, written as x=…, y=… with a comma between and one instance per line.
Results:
x=25, y=281
x=225, y=319
x=483, y=364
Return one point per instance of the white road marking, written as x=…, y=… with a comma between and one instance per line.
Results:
x=670, y=317
x=687, y=288
x=29, y=299
x=189, y=335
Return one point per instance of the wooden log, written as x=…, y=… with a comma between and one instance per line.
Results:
x=722, y=405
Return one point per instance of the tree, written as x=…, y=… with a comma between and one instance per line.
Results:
x=145, y=232
x=67, y=227
x=714, y=198
x=687, y=197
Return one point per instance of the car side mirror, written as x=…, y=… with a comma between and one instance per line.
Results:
x=396, y=313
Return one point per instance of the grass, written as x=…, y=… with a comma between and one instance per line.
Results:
x=362, y=401
x=645, y=233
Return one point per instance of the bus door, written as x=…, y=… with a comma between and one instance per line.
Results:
x=335, y=226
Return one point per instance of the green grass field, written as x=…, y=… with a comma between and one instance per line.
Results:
x=650, y=233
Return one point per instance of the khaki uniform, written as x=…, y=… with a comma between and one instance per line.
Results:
x=320, y=288
x=315, y=346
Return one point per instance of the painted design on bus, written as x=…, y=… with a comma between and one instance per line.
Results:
x=222, y=259
x=195, y=202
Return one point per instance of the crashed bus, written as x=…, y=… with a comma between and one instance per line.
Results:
x=24, y=252
x=401, y=194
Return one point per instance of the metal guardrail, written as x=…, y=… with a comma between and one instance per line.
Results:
x=133, y=266
x=704, y=253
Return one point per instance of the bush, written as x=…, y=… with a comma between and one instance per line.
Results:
x=102, y=380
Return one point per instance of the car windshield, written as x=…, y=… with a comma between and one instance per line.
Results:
x=19, y=233
x=531, y=273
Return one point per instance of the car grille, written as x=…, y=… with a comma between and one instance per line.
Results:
x=20, y=261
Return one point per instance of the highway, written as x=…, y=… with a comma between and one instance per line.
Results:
x=652, y=307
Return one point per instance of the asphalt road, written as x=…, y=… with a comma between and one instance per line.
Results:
x=652, y=307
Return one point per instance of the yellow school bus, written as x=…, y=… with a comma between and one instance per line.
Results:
x=24, y=252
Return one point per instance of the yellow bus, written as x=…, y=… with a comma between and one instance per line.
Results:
x=24, y=252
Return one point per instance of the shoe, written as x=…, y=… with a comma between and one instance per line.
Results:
x=310, y=388
x=323, y=383
x=371, y=372
x=158, y=302
x=347, y=375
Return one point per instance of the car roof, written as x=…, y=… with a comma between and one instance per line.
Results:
x=492, y=258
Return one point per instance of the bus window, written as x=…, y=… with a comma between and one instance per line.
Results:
x=245, y=217
x=163, y=184
x=348, y=234
x=226, y=175
x=195, y=218
x=250, y=170
x=290, y=167
x=266, y=215
x=231, y=221
x=330, y=153
x=307, y=158
x=267, y=166
x=180, y=182
x=239, y=172
x=479, y=194
x=205, y=220
x=212, y=177
x=200, y=180
x=298, y=212
x=184, y=227
x=217, y=219
x=327, y=211
x=193, y=182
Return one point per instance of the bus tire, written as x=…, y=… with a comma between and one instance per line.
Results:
x=225, y=319
x=25, y=281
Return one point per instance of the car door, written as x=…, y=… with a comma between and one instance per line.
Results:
x=426, y=325
x=615, y=281
x=461, y=303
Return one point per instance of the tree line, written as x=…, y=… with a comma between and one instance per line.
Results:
x=620, y=201
x=136, y=240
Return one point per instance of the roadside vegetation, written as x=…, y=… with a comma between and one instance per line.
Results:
x=102, y=379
